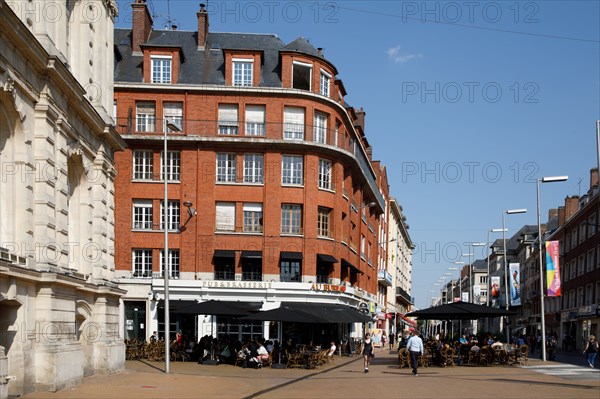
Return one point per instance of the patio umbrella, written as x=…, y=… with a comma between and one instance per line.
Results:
x=214, y=308
x=458, y=311
x=285, y=314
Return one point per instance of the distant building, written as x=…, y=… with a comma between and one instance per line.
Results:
x=59, y=304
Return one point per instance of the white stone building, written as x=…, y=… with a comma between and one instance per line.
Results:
x=59, y=305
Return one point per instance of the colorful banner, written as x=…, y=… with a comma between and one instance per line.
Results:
x=552, y=269
x=515, y=284
x=495, y=296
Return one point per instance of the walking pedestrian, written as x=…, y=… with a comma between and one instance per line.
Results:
x=367, y=351
x=415, y=348
x=591, y=350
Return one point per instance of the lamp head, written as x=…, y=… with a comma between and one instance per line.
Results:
x=513, y=211
x=552, y=179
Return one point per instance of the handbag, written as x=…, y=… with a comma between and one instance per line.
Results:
x=372, y=355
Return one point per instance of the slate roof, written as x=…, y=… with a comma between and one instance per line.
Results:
x=207, y=66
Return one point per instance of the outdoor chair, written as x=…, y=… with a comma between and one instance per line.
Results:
x=447, y=357
x=403, y=358
x=521, y=355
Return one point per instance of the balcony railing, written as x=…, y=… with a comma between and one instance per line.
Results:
x=277, y=131
x=225, y=276
x=251, y=276
x=384, y=278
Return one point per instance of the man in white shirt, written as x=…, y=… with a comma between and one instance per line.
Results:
x=414, y=346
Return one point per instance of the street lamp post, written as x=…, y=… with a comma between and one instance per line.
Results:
x=471, y=282
x=505, y=264
x=170, y=125
x=458, y=262
x=549, y=179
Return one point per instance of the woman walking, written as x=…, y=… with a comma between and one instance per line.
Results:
x=367, y=351
x=591, y=349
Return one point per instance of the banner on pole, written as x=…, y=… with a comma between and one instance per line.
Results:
x=515, y=284
x=552, y=269
x=495, y=296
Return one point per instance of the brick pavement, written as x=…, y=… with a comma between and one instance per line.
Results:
x=343, y=378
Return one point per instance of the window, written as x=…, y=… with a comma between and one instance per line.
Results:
x=324, y=83
x=253, y=168
x=590, y=261
x=142, y=263
x=173, y=215
x=582, y=232
x=369, y=253
x=143, y=165
x=290, y=270
x=320, y=128
x=242, y=72
x=580, y=297
x=173, y=114
x=253, y=218
x=142, y=214
x=573, y=238
x=225, y=214
x=573, y=272
x=589, y=294
x=161, y=69
x=323, y=222
x=301, y=75
x=572, y=298
x=293, y=123
x=336, y=133
x=145, y=117
x=592, y=225
x=325, y=174
x=580, y=265
x=226, y=167
x=362, y=246
x=292, y=169
x=291, y=219
x=228, y=119
x=255, y=120
x=173, y=166
x=173, y=262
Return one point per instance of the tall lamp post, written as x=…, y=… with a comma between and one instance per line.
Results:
x=170, y=125
x=505, y=264
x=549, y=179
x=458, y=262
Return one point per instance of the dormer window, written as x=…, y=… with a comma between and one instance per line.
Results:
x=325, y=83
x=242, y=72
x=301, y=75
x=161, y=68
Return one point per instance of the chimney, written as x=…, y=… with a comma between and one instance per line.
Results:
x=320, y=50
x=552, y=212
x=593, y=180
x=202, y=27
x=360, y=118
x=173, y=27
x=561, y=216
x=571, y=206
x=142, y=25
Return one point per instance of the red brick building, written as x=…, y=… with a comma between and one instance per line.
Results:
x=272, y=194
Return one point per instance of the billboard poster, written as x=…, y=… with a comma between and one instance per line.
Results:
x=515, y=284
x=552, y=269
x=495, y=295
x=477, y=294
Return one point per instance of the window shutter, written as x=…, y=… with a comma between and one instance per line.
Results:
x=253, y=207
x=228, y=115
x=226, y=216
x=255, y=114
x=293, y=115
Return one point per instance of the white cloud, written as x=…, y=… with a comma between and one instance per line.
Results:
x=400, y=58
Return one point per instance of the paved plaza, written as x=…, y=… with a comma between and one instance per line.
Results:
x=343, y=378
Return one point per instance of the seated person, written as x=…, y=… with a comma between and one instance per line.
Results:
x=497, y=344
x=475, y=348
x=261, y=354
x=463, y=339
x=332, y=349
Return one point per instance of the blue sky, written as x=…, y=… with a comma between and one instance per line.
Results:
x=467, y=102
